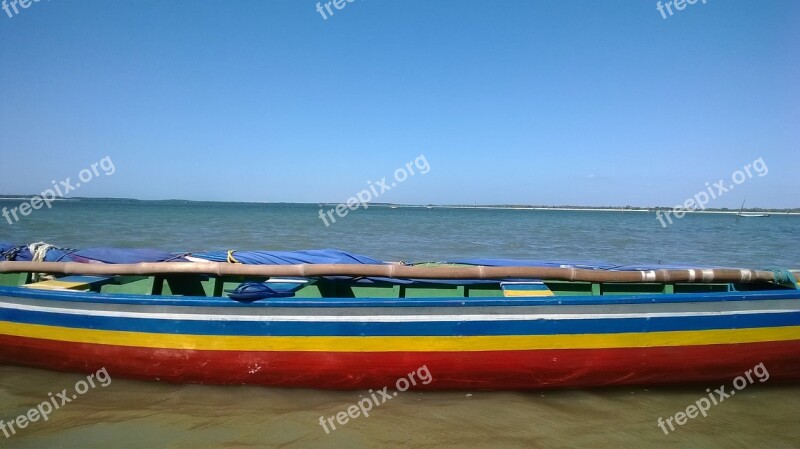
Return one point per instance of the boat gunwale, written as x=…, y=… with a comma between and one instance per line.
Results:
x=225, y=302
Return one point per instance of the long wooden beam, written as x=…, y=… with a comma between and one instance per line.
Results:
x=723, y=275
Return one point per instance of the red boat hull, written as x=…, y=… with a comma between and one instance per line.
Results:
x=514, y=369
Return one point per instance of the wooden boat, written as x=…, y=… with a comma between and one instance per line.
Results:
x=743, y=214
x=355, y=324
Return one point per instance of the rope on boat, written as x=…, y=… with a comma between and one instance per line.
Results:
x=720, y=275
x=39, y=254
x=232, y=259
x=12, y=252
x=784, y=277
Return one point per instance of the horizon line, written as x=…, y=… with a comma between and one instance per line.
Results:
x=514, y=206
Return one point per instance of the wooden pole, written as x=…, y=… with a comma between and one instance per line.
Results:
x=719, y=275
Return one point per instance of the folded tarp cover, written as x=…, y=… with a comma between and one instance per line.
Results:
x=4, y=247
x=118, y=255
x=313, y=256
x=22, y=253
x=316, y=256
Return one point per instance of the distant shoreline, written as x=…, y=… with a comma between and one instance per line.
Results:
x=594, y=209
x=635, y=209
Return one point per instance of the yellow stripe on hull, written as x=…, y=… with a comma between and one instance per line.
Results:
x=403, y=343
x=526, y=293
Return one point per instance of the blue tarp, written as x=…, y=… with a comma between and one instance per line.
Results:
x=117, y=255
x=106, y=255
x=322, y=256
x=314, y=256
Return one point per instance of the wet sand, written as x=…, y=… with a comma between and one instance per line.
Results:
x=131, y=414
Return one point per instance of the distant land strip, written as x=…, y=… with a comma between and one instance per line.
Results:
x=708, y=210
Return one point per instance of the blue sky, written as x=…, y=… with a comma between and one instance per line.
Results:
x=533, y=102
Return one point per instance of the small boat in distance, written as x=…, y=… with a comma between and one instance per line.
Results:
x=336, y=320
x=743, y=214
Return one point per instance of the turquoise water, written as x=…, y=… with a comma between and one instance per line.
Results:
x=129, y=414
x=417, y=234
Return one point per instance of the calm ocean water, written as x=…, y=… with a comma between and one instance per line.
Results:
x=130, y=414
x=416, y=234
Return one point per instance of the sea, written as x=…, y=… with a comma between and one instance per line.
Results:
x=132, y=414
